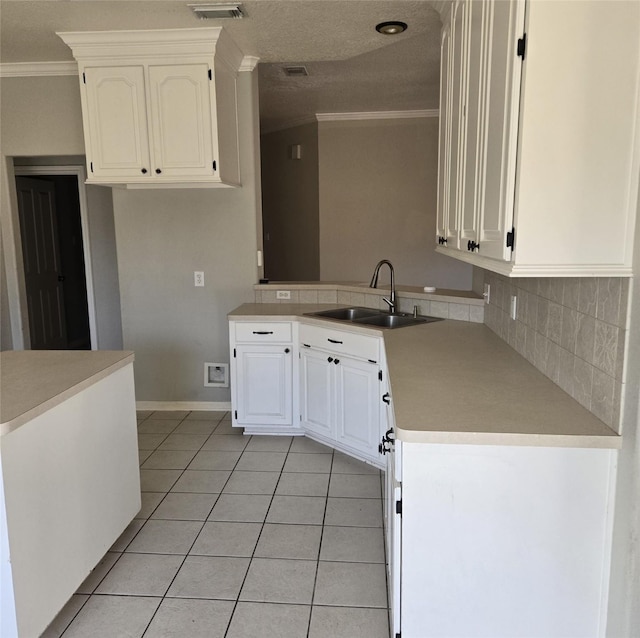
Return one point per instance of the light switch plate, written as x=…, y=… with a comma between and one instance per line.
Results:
x=198, y=278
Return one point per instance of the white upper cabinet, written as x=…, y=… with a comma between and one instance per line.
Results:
x=159, y=107
x=540, y=136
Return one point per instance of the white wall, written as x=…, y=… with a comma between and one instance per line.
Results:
x=378, y=197
x=162, y=237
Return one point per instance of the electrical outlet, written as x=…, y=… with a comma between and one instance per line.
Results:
x=513, y=307
x=283, y=294
x=487, y=293
x=198, y=278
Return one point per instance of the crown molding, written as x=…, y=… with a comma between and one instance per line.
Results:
x=376, y=115
x=36, y=69
x=249, y=63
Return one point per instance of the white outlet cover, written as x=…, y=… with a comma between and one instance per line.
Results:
x=283, y=294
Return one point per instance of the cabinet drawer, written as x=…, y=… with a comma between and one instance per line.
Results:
x=348, y=343
x=263, y=332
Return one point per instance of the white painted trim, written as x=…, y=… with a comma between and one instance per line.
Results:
x=249, y=62
x=376, y=115
x=37, y=69
x=216, y=406
x=81, y=176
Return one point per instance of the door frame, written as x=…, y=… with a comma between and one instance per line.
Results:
x=81, y=176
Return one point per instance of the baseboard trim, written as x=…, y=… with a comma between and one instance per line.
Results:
x=217, y=406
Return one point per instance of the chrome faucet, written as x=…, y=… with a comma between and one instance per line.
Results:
x=374, y=284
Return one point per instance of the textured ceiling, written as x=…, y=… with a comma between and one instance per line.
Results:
x=351, y=66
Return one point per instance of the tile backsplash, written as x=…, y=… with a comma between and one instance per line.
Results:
x=572, y=329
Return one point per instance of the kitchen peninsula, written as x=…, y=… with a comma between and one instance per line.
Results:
x=499, y=486
x=69, y=470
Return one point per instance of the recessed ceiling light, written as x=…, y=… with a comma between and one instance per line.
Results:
x=391, y=28
x=217, y=10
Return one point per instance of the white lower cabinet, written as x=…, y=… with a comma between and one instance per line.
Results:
x=498, y=541
x=263, y=365
x=340, y=401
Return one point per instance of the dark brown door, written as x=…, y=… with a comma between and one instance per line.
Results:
x=41, y=254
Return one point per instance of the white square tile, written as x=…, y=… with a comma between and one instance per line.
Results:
x=191, y=426
x=266, y=620
x=355, y=486
x=190, y=618
x=261, y=461
x=65, y=616
x=305, y=445
x=150, y=500
x=98, y=573
x=185, y=506
x=214, y=460
x=227, y=539
x=202, y=481
x=168, y=460
x=269, y=444
x=209, y=577
x=110, y=616
x=225, y=427
x=245, y=508
x=183, y=442
x=207, y=415
x=351, y=585
x=307, y=510
x=355, y=622
x=141, y=575
x=343, y=464
x=354, y=512
x=224, y=442
x=157, y=426
x=127, y=536
x=352, y=544
x=252, y=483
x=279, y=581
x=289, y=541
x=165, y=537
x=143, y=455
x=300, y=484
x=170, y=414
x=158, y=480
x=150, y=441
x=312, y=463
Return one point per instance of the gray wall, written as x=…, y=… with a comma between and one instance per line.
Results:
x=378, y=195
x=290, y=205
x=163, y=236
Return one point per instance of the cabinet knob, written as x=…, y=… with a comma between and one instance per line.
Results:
x=287, y=351
x=329, y=359
x=383, y=449
x=143, y=171
x=336, y=361
x=386, y=399
x=158, y=171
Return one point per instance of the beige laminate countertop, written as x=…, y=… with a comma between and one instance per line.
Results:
x=458, y=382
x=34, y=381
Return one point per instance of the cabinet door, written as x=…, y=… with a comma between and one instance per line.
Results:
x=116, y=121
x=317, y=393
x=358, y=406
x=444, y=142
x=264, y=385
x=501, y=105
x=180, y=100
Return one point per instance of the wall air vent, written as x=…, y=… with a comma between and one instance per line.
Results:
x=295, y=71
x=215, y=11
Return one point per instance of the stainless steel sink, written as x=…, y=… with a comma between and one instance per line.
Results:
x=347, y=314
x=372, y=317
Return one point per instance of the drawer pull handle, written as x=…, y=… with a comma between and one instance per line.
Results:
x=262, y=332
x=334, y=341
x=387, y=400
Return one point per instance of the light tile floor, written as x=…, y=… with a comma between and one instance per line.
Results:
x=239, y=537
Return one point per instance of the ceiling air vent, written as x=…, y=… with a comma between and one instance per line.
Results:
x=295, y=71
x=215, y=11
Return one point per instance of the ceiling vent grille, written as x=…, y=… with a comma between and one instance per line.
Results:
x=218, y=10
x=295, y=71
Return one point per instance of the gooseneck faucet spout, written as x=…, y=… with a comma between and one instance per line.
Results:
x=391, y=301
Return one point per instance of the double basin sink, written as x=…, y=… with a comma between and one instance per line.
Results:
x=372, y=317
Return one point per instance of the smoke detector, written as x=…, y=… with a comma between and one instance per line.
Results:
x=217, y=10
x=295, y=71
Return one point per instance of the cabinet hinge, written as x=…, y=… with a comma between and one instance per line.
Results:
x=380, y=375
x=84, y=78
x=399, y=507
x=511, y=238
x=91, y=165
x=522, y=46
x=371, y=361
x=234, y=353
x=210, y=75
x=398, y=635
x=215, y=166
x=236, y=414
x=301, y=417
